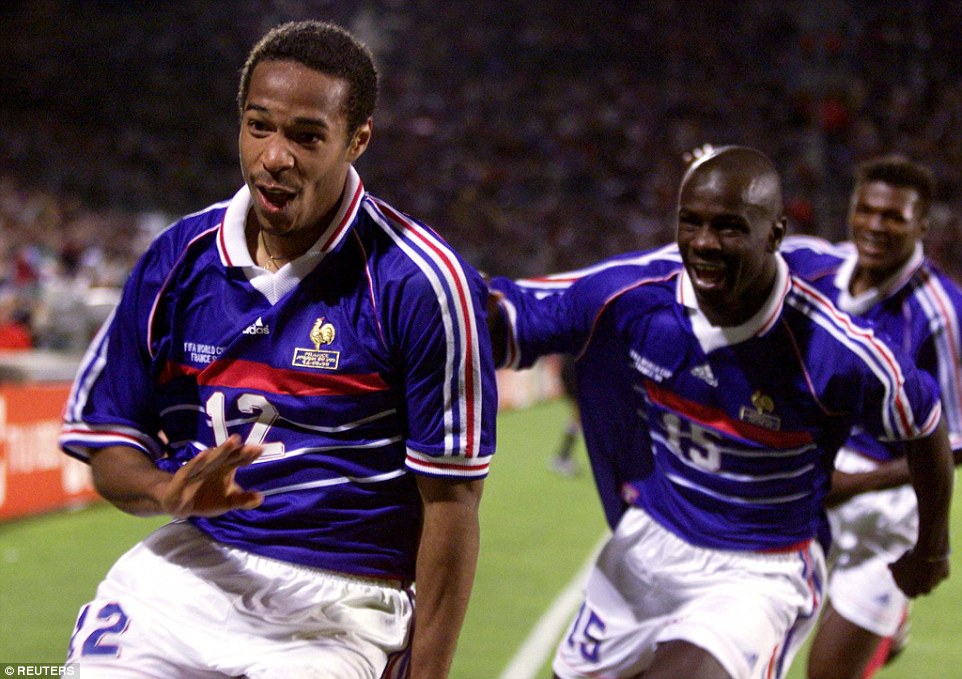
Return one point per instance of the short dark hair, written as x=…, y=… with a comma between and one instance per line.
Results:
x=899, y=170
x=324, y=47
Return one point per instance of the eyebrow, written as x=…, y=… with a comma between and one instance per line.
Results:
x=301, y=120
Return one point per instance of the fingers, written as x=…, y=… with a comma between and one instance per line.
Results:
x=205, y=485
x=229, y=455
x=246, y=499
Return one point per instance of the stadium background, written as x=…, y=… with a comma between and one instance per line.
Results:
x=535, y=136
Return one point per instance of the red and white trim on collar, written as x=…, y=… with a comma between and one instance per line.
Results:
x=232, y=241
x=713, y=337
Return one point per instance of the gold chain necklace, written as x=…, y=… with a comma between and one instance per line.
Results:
x=272, y=260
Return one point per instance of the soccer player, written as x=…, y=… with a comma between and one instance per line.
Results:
x=882, y=275
x=297, y=376
x=715, y=389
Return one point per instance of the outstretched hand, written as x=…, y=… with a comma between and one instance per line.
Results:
x=205, y=486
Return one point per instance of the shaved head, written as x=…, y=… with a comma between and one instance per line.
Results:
x=748, y=169
x=730, y=224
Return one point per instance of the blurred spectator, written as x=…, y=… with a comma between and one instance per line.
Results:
x=14, y=331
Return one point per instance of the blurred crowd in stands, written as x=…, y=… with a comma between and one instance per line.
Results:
x=535, y=136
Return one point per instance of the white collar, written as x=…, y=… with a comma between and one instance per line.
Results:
x=862, y=302
x=232, y=241
x=713, y=337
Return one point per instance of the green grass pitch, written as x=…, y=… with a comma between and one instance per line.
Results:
x=537, y=531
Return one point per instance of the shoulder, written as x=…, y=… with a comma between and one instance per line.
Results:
x=930, y=275
x=405, y=254
x=814, y=257
x=179, y=235
x=648, y=278
x=826, y=331
x=936, y=297
x=169, y=246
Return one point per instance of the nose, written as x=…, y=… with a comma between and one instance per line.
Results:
x=874, y=221
x=705, y=238
x=277, y=155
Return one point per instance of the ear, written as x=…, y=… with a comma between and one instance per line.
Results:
x=360, y=140
x=775, y=236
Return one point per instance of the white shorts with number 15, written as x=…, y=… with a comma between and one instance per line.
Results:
x=749, y=610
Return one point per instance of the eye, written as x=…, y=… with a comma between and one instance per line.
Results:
x=307, y=138
x=894, y=216
x=688, y=220
x=257, y=127
x=730, y=225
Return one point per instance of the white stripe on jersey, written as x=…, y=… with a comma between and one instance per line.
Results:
x=336, y=481
x=462, y=329
x=801, y=471
x=898, y=419
x=299, y=425
x=765, y=453
x=781, y=499
x=553, y=284
x=818, y=245
x=160, y=292
x=464, y=467
x=85, y=437
x=543, y=286
x=943, y=320
x=294, y=452
x=92, y=364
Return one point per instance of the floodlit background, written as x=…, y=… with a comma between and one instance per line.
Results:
x=535, y=136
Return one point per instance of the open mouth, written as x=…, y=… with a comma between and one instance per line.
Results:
x=707, y=275
x=274, y=199
x=872, y=247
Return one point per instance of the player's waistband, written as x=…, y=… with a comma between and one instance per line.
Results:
x=795, y=547
x=340, y=576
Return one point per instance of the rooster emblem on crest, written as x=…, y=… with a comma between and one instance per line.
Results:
x=762, y=403
x=322, y=333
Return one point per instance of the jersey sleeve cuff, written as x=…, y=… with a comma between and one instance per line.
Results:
x=448, y=466
x=79, y=439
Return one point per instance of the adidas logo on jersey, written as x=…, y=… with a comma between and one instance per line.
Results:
x=257, y=328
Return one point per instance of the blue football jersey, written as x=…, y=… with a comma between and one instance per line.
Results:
x=725, y=435
x=356, y=366
x=917, y=309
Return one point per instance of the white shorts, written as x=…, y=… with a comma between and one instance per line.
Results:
x=869, y=532
x=182, y=605
x=749, y=610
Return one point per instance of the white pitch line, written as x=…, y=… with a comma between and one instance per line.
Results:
x=537, y=648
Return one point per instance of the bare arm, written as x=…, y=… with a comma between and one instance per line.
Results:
x=930, y=466
x=846, y=485
x=204, y=486
x=447, y=557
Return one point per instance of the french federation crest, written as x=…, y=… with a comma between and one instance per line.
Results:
x=322, y=334
x=763, y=405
